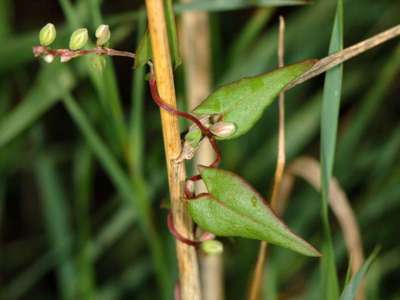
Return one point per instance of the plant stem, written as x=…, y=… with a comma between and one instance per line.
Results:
x=186, y=255
x=339, y=57
x=195, y=36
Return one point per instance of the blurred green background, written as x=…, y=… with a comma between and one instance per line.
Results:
x=83, y=185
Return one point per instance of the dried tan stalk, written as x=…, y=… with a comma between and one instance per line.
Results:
x=195, y=41
x=309, y=169
x=186, y=255
x=258, y=276
x=335, y=59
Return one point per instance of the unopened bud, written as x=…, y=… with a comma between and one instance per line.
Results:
x=103, y=35
x=48, y=58
x=212, y=247
x=47, y=35
x=223, y=129
x=78, y=39
x=99, y=63
x=189, y=186
x=193, y=137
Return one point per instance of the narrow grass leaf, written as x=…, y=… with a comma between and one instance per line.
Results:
x=143, y=51
x=49, y=87
x=83, y=174
x=172, y=35
x=134, y=191
x=57, y=223
x=136, y=128
x=329, y=121
x=222, y=5
x=350, y=290
x=248, y=34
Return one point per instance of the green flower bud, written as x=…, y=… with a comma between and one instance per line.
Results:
x=48, y=58
x=47, y=35
x=189, y=186
x=223, y=129
x=103, y=35
x=78, y=39
x=99, y=63
x=212, y=247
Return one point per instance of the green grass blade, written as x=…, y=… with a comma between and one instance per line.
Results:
x=5, y=15
x=56, y=216
x=136, y=132
x=70, y=13
x=83, y=174
x=128, y=281
x=134, y=192
x=222, y=5
x=49, y=87
x=95, y=9
x=115, y=227
x=104, y=155
x=27, y=278
x=172, y=34
x=248, y=34
x=350, y=291
x=329, y=120
x=370, y=104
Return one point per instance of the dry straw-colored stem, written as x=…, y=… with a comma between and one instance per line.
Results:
x=258, y=276
x=195, y=40
x=335, y=59
x=309, y=169
x=186, y=255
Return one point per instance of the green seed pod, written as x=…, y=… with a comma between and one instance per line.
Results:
x=47, y=35
x=78, y=39
x=103, y=35
x=212, y=247
x=99, y=63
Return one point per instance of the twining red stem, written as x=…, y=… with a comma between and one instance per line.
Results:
x=205, y=237
x=205, y=131
x=177, y=235
x=156, y=97
x=214, y=145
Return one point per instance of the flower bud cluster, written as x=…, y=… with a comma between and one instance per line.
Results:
x=78, y=40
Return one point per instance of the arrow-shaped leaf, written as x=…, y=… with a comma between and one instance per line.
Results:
x=243, y=102
x=233, y=208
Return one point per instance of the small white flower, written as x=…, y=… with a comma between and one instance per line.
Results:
x=48, y=58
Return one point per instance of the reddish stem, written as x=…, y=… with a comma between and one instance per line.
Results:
x=214, y=145
x=177, y=291
x=205, y=131
x=205, y=237
x=67, y=53
x=177, y=235
x=156, y=97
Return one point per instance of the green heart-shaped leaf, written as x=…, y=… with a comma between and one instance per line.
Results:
x=243, y=102
x=234, y=208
